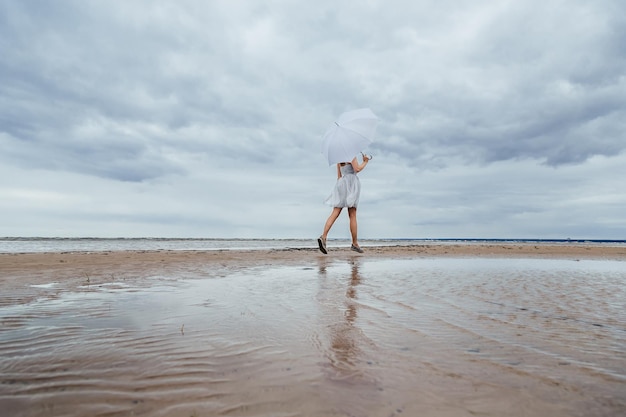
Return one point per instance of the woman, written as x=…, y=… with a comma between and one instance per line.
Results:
x=345, y=194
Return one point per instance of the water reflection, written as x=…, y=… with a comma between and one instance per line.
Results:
x=351, y=293
x=339, y=311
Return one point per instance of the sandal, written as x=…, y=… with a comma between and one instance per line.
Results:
x=356, y=249
x=321, y=242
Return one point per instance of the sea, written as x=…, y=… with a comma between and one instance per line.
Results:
x=95, y=244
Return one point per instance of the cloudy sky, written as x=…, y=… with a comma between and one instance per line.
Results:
x=498, y=119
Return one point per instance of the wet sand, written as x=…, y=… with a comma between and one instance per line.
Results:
x=435, y=330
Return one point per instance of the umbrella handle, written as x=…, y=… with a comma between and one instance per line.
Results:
x=368, y=156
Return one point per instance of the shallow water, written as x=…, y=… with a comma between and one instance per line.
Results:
x=58, y=244
x=441, y=337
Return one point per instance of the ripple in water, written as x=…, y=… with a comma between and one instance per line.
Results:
x=356, y=338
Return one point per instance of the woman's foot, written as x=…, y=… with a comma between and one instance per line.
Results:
x=321, y=242
x=356, y=248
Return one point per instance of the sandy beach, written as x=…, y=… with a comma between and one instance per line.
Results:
x=433, y=330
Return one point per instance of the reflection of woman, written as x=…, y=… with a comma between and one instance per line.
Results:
x=345, y=194
x=345, y=336
x=346, y=352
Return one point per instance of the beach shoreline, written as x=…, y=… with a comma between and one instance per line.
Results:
x=12, y=263
x=75, y=268
x=96, y=266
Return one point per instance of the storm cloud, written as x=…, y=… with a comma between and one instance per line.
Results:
x=198, y=118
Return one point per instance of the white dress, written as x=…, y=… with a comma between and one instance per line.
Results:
x=347, y=189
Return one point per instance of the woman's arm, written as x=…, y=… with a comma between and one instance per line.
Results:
x=338, y=171
x=359, y=167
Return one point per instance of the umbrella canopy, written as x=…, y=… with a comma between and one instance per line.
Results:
x=352, y=132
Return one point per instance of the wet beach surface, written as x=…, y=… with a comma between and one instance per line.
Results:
x=316, y=336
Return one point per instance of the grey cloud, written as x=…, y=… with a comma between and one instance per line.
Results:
x=521, y=88
x=145, y=92
x=78, y=64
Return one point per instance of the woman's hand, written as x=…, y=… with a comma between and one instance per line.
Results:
x=359, y=167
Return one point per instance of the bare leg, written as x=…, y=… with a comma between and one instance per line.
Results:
x=353, y=226
x=331, y=220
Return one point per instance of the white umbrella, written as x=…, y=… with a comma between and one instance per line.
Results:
x=352, y=132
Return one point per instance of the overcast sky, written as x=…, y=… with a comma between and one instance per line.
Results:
x=498, y=119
